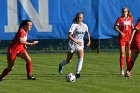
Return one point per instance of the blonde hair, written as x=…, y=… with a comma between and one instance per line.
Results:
x=129, y=13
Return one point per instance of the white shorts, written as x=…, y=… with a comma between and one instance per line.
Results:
x=73, y=47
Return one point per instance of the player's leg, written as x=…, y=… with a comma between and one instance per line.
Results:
x=25, y=56
x=80, y=54
x=134, y=55
x=10, y=65
x=128, y=55
x=66, y=61
x=122, y=53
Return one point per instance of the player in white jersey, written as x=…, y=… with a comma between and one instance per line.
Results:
x=76, y=43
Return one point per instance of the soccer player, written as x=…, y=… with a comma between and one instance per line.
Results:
x=18, y=49
x=134, y=44
x=124, y=26
x=76, y=43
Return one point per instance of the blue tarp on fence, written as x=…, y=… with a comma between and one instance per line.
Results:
x=53, y=18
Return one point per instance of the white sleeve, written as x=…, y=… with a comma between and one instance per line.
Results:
x=86, y=27
x=73, y=27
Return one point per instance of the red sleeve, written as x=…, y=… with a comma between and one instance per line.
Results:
x=118, y=22
x=132, y=22
x=21, y=33
x=137, y=26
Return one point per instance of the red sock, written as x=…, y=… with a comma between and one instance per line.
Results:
x=5, y=72
x=130, y=66
x=128, y=58
x=121, y=62
x=29, y=68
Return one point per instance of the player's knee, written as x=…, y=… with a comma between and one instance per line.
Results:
x=122, y=54
x=28, y=60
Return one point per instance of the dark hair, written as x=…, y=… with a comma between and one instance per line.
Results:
x=23, y=23
x=138, y=19
x=77, y=16
x=129, y=13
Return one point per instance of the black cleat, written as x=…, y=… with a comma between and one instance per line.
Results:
x=77, y=76
x=60, y=68
x=2, y=79
x=31, y=77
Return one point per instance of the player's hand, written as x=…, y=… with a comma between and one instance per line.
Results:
x=122, y=34
x=88, y=44
x=35, y=42
x=79, y=43
x=129, y=43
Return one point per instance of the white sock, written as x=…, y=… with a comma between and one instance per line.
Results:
x=63, y=63
x=79, y=65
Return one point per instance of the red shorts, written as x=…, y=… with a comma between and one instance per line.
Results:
x=11, y=55
x=123, y=43
x=135, y=46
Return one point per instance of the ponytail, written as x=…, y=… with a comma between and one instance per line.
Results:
x=77, y=16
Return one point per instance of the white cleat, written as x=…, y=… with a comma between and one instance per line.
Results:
x=122, y=73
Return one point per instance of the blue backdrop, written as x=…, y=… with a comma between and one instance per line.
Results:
x=53, y=18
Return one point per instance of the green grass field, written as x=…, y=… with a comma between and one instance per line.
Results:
x=100, y=74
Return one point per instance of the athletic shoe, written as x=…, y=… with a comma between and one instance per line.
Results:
x=31, y=77
x=122, y=73
x=2, y=79
x=77, y=76
x=127, y=74
x=60, y=69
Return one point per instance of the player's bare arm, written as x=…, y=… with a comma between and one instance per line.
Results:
x=75, y=40
x=22, y=41
x=132, y=35
x=118, y=30
x=88, y=36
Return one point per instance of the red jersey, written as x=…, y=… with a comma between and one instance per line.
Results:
x=136, y=37
x=125, y=25
x=16, y=46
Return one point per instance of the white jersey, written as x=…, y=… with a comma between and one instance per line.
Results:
x=78, y=32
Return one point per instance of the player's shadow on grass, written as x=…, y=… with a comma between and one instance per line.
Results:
x=60, y=76
x=39, y=76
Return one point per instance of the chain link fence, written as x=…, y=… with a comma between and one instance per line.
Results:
x=60, y=45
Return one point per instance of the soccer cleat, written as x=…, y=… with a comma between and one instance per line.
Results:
x=77, y=76
x=127, y=74
x=31, y=77
x=60, y=69
x=2, y=79
x=122, y=73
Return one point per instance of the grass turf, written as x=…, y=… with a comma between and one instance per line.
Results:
x=100, y=74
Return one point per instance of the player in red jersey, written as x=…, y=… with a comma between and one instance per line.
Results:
x=124, y=26
x=134, y=44
x=18, y=49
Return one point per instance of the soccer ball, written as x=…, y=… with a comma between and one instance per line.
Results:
x=70, y=77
